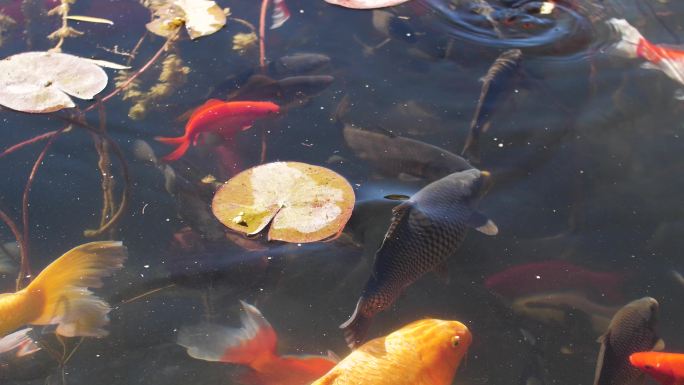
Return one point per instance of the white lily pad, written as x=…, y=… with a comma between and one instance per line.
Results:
x=366, y=4
x=303, y=203
x=200, y=17
x=41, y=82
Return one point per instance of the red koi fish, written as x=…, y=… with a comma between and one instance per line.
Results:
x=540, y=277
x=667, y=368
x=254, y=346
x=224, y=118
x=659, y=57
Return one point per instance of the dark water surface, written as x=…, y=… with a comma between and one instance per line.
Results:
x=585, y=152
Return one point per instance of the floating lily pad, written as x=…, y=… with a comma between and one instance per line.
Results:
x=303, y=203
x=41, y=82
x=201, y=18
x=366, y=4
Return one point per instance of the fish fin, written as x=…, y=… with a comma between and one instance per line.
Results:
x=630, y=38
x=253, y=344
x=649, y=66
x=192, y=113
x=601, y=357
x=64, y=287
x=170, y=141
x=280, y=14
x=399, y=214
x=659, y=345
x=333, y=356
x=356, y=327
x=442, y=271
x=178, y=152
x=247, y=127
x=19, y=341
x=481, y=223
x=397, y=197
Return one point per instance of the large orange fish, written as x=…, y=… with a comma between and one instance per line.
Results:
x=426, y=352
x=254, y=346
x=224, y=118
x=667, y=368
x=59, y=295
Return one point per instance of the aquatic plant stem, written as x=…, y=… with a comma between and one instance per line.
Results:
x=262, y=35
x=136, y=74
x=20, y=145
x=25, y=269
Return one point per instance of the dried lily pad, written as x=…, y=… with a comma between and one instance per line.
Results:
x=40, y=82
x=366, y=4
x=201, y=18
x=303, y=203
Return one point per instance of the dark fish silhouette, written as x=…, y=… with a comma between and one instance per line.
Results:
x=395, y=156
x=497, y=84
x=424, y=232
x=298, y=64
x=631, y=330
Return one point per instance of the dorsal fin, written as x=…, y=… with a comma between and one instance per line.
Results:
x=208, y=104
x=399, y=214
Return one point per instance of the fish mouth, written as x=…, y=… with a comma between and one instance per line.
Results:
x=486, y=182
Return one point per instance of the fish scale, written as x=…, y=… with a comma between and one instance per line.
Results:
x=424, y=232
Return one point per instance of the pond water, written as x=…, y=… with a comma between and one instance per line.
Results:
x=583, y=146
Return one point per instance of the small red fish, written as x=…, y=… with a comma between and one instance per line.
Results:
x=254, y=346
x=667, y=368
x=223, y=118
x=535, y=278
x=632, y=44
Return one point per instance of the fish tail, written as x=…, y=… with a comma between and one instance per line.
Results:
x=20, y=343
x=62, y=288
x=356, y=327
x=471, y=148
x=253, y=345
x=183, y=143
x=630, y=38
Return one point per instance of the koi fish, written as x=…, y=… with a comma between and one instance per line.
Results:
x=425, y=231
x=396, y=156
x=632, y=44
x=254, y=346
x=554, y=309
x=426, y=352
x=667, y=368
x=59, y=295
x=631, y=330
x=497, y=85
x=224, y=118
x=554, y=275
x=280, y=14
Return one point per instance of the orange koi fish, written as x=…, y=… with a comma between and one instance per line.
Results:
x=426, y=352
x=224, y=118
x=667, y=368
x=633, y=45
x=254, y=346
x=59, y=295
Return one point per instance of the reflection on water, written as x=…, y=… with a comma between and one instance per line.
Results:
x=583, y=147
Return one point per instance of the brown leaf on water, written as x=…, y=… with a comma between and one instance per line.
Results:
x=303, y=203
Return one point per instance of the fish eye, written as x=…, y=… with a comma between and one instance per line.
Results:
x=455, y=341
x=648, y=367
